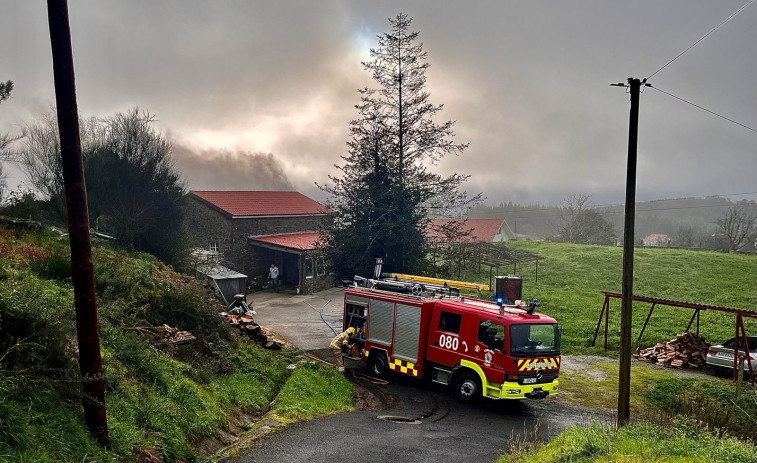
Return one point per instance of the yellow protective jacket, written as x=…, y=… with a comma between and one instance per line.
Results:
x=338, y=340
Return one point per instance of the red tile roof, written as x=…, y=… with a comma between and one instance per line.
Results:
x=481, y=230
x=301, y=241
x=259, y=203
x=655, y=237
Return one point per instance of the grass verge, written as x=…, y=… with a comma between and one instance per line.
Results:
x=313, y=390
x=681, y=442
x=658, y=394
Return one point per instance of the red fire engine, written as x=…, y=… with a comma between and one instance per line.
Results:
x=478, y=347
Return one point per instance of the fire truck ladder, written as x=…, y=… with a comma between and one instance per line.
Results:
x=437, y=281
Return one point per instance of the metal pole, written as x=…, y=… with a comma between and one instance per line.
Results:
x=649, y=315
x=624, y=374
x=599, y=322
x=90, y=360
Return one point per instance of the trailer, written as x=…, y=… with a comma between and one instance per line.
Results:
x=474, y=346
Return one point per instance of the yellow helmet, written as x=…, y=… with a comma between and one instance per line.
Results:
x=351, y=330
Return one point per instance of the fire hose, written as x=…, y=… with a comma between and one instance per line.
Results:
x=320, y=312
x=356, y=374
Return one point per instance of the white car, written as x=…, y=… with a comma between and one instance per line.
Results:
x=720, y=357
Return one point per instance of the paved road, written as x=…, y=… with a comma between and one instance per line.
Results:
x=446, y=431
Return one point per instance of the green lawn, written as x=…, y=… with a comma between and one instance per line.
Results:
x=571, y=277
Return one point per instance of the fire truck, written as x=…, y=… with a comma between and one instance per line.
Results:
x=424, y=328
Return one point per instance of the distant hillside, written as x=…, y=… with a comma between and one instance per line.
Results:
x=666, y=216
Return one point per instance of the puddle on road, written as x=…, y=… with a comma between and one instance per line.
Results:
x=399, y=419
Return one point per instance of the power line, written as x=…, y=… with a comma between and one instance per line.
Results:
x=703, y=37
x=703, y=108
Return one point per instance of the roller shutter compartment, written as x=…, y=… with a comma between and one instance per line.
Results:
x=380, y=321
x=407, y=330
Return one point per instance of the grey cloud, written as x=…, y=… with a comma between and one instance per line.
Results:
x=526, y=81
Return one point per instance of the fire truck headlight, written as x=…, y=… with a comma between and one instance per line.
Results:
x=513, y=391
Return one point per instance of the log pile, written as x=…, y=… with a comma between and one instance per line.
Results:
x=686, y=350
x=246, y=326
x=174, y=336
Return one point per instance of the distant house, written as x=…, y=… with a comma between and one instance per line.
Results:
x=656, y=239
x=254, y=229
x=479, y=230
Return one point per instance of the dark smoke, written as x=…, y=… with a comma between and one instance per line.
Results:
x=219, y=169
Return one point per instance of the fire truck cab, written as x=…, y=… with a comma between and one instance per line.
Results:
x=477, y=347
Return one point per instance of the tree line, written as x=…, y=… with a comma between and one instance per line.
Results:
x=706, y=223
x=134, y=192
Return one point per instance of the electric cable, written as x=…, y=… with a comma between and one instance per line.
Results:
x=703, y=108
x=733, y=15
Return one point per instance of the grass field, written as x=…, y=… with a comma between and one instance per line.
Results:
x=571, y=277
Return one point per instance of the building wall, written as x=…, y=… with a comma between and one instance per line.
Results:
x=313, y=285
x=205, y=224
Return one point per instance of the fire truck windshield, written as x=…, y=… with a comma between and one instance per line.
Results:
x=529, y=340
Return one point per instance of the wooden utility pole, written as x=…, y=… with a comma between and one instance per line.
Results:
x=624, y=373
x=87, y=335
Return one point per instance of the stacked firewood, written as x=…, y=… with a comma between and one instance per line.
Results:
x=246, y=326
x=686, y=350
x=174, y=335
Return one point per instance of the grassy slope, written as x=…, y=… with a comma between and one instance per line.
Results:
x=681, y=442
x=572, y=276
x=157, y=399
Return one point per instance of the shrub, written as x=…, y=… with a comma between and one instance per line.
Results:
x=53, y=266
x=37, y=322
x=711, y=402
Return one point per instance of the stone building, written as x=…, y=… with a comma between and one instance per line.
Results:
x=253, y=229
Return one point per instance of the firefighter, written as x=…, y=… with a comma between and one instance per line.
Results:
x=340, y=340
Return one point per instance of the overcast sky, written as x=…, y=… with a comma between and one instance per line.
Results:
x=258, y=95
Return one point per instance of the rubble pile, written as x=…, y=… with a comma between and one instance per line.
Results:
x=245, y=325
x=687, y=350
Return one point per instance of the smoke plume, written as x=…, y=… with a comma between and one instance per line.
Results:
x=220, y=169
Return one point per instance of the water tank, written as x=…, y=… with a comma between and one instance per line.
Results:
x=509, y=288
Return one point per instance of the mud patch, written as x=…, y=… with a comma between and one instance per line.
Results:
x=583, y=364
x=210, y=445
x=370, y=396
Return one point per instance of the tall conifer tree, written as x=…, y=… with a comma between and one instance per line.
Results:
x=385, y=194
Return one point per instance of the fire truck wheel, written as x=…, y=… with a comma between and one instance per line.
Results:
x=378, y=365
x=467, y=387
